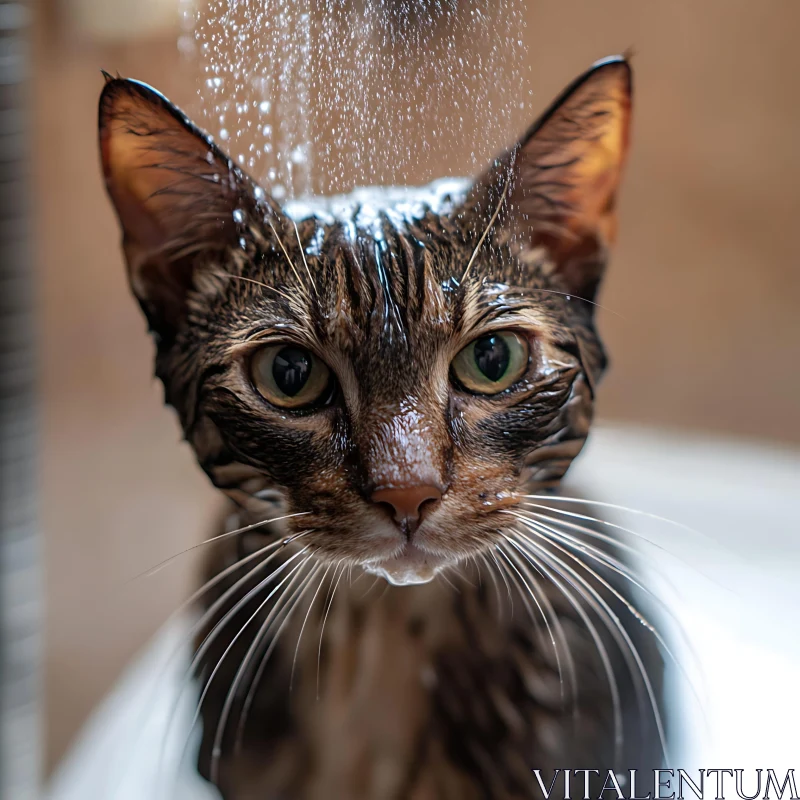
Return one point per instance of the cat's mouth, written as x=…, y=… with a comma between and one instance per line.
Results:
x=412, y=565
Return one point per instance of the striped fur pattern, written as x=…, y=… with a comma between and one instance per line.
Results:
x=452, y=689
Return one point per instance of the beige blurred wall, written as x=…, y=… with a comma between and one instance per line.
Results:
x=700, y=306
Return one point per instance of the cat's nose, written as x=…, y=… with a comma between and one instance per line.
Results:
x=407, y=502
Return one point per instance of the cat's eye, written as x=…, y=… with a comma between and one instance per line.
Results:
x=290, y=376
x=491, y=363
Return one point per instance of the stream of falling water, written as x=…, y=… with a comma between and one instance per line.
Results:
x=318, y=96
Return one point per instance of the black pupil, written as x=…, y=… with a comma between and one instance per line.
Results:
x=291, y=369
x=491, y=357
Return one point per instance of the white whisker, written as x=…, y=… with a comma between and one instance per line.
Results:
x=489, y=569
x=325, y=619
x=264, y=286
x=219, y=537
x=559, y=498
x=616, y=705
x=281, y=618
x=505, y=580
x=617, y=630
x=303, y=626
x=547, y=530
x=486, y=231
x=293, y=576
x=595, y=553
x=525, y=589
x=303, y=255
x=300, y=283
x=216, y=629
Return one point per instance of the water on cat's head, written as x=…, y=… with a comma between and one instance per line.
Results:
x=319, y=97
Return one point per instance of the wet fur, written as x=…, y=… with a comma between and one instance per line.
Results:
x=435, y=691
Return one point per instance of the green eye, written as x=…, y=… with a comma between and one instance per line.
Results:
x=491, y=363
x=289, y=376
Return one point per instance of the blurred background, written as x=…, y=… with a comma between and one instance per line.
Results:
x=700, y=305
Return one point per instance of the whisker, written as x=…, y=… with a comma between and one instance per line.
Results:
x=573, y=296
x=486, y=231
x=207, y=586
x=281, y=619
x=477, y=565
x=303, y=255
x=377, y=582
x=595, y=553
x=559, y=498
x=505, y=580
x=616, y=706
x=489, y=569
x=242, y=629
x=617, y=630
x=263, y=285
x=325, y=619
x=208, y=616
x=220, y=576
x=606, y=559
x=597, y=534
x=617, y=543
x=301, y=285
x=462, y=576
x=543, y=530
x=449, y=582
x=215, y=631
x=521, y=584
x=546, y=529
x=385, y=589
x=528, y=567
x=219, y=537
x=609, y=619
x=303, y=626
x=291, y=576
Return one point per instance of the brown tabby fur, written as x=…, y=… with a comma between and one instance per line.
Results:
x=430, y=691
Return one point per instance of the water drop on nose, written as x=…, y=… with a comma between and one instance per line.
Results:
x=238, y=216
x=224, y=135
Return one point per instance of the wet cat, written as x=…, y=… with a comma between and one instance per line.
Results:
x=394, y=380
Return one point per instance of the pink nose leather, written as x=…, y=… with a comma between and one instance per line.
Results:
x=407, y=502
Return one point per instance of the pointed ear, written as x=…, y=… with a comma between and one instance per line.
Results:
x=175, y=193
x=557, y=187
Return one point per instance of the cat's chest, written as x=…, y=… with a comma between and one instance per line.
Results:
x=371, y=707
x=375, y=694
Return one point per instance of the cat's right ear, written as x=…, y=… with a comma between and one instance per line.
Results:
x=175, y=192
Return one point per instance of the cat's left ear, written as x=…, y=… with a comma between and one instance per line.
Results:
x=557, y=187
x=177, y=195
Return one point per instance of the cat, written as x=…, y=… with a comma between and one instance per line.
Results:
x=386, y=384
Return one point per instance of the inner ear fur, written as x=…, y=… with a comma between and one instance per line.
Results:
x=175, y=193
x=557, y=186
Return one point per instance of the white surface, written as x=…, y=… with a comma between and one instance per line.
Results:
x=734, y=591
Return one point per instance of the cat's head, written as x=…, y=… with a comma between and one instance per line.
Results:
x=398, y=367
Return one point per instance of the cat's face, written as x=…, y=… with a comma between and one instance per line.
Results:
x=398, y=367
